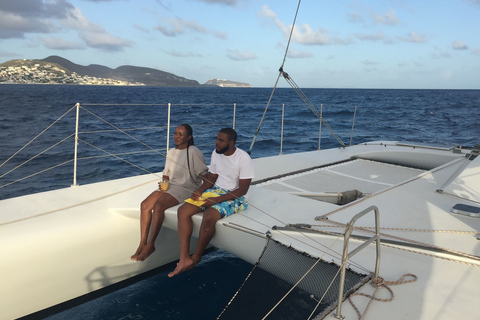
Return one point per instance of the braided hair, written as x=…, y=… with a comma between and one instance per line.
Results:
x=190, y=143
x=190, y=133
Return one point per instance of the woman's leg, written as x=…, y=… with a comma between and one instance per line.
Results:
x=145, y=219
x=164, y=202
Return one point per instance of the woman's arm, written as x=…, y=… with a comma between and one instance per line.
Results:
x=208, y=181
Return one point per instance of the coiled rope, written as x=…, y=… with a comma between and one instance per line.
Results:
x=379, y=283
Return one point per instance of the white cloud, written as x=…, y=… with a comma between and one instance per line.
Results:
x=295, y=54
x=389, y=18
x=92, y=34
x=240, y=55
x=369, y=62
x=22, y=17
x=413, y=38
x=459, y=45
x=219, y=34
x=178, y=26
x=305, y=35
x=355, y=18
x=302, y=34
x=140, y=28
x=104, y=41
x=226, y=2
x=379, y=36
x=476, y=51
x=60, y=44
x=179, y=54
x=16, y=26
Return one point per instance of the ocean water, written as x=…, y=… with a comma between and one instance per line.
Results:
x=442, y=117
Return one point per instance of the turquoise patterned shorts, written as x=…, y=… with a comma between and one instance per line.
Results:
x=229, y=207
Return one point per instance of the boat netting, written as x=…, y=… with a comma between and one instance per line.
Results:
x=263, y=295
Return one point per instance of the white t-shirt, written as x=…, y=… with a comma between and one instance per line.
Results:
x=231, y=168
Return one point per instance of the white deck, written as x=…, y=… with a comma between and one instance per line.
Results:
x=410, y=208
x=80, y=244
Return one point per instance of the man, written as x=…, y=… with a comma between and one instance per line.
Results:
x=231, y=172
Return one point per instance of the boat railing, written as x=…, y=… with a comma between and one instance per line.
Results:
x=347, y=255
x=78, y=106
x=233, y=124
x=106, y=127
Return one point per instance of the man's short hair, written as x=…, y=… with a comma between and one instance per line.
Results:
x=231, y=134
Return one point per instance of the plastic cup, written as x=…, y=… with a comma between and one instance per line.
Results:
x=164, y=185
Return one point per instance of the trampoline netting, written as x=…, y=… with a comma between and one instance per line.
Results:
x=273, y=276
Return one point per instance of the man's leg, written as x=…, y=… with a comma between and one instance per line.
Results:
x=185, y=229
x=207, y=231
x=145, y=219
x=165, y=201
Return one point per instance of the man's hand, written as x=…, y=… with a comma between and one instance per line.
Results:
x=210, y=202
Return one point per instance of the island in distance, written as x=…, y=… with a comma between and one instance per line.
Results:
x=58, y=70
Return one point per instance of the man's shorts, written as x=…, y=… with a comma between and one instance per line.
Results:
x=228, y=207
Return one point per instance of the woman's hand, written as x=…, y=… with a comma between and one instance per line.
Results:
x=196, y=195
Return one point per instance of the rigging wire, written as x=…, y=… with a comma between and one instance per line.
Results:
x=249, y=151
x=37, y=155
x=297, y=90
x=311, y=106
x=38, y=135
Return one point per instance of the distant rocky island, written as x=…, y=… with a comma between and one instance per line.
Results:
x=57, y=70
x=226, y=83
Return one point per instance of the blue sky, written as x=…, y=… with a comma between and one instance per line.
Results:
x=336, y=44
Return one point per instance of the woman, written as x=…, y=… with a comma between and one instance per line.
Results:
x=185, y=168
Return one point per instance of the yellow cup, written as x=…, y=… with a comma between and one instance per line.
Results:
x=164, y=185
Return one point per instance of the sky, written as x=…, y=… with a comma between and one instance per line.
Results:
x=427, y=44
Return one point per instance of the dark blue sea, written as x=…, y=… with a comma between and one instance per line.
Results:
x=440, y=117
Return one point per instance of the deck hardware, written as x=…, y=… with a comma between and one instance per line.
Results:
x=346, y=255
x=75, y=153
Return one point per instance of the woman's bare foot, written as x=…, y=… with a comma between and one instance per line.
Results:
x=137, y=253
x=146, y=252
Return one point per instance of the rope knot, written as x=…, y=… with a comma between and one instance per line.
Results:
x=378, y=282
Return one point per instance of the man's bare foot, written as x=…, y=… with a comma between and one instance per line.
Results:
x=182, y=266
x=137, y=253
x=196, y=260
x=146, y=252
